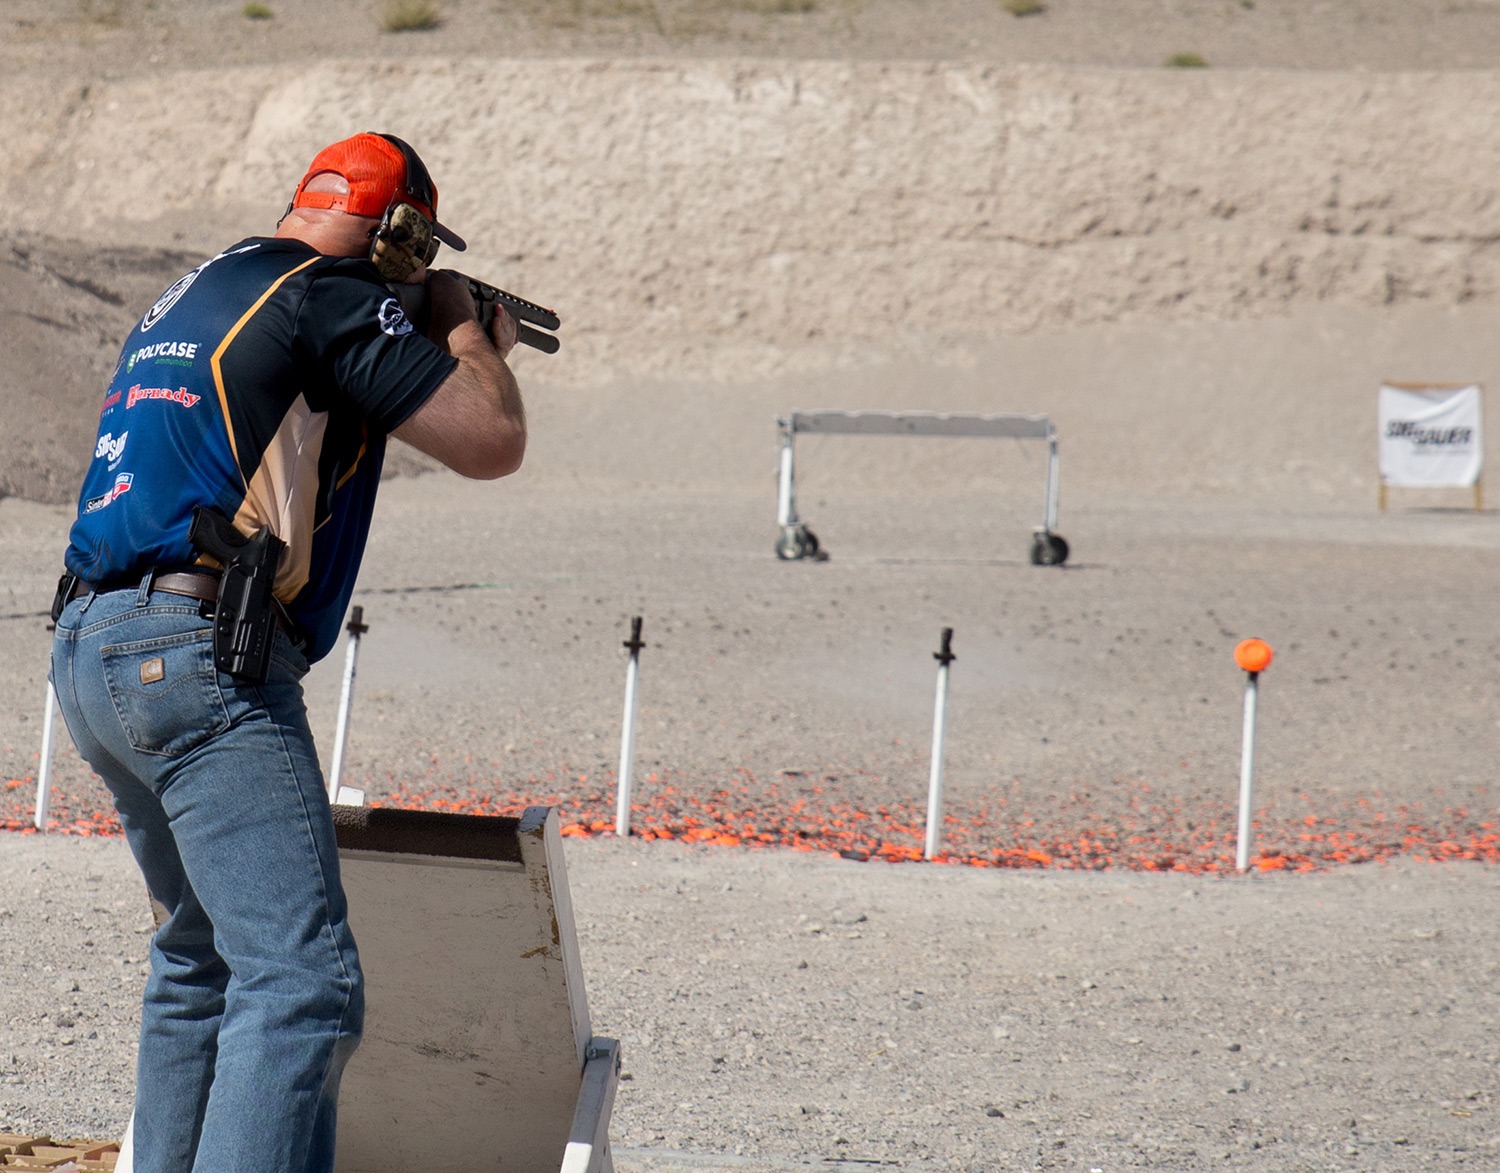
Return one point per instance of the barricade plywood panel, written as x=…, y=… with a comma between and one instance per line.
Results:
x=476, y=1022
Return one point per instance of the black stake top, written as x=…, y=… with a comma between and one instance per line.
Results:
x=357, y=624
x=634, y=642
x=944, y=655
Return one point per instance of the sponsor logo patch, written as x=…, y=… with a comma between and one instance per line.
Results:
x=121, y=487
x=110, y=447
x=393, y=319
x=171, y=297
x=109, y=401
x=168, y=299
x=182, y=395
x=177, y=354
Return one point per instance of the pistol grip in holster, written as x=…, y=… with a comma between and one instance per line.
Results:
x=245, y=613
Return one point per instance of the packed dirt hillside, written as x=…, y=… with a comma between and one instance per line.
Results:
x=722, y=194
x=113, y=38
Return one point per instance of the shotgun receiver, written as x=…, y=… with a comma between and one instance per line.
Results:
x=486, y=297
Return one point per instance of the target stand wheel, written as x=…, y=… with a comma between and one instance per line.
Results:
x=1048, y=549
x=798, y=542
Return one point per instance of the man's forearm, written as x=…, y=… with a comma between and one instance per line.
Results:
x=469, y=344
x=475, y=422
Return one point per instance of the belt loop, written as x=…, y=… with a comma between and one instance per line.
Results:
x=143, y=596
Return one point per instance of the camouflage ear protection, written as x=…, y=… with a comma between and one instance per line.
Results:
x=404, y=239
x=402, y=243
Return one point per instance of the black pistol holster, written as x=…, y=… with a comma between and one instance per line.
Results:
x=65, y=588
x=245, y=614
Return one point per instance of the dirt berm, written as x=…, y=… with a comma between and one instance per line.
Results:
x=724, y=220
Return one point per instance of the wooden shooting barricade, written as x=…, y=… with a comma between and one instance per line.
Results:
x=477, y=1052
x=477, y=1042
x=796, y=541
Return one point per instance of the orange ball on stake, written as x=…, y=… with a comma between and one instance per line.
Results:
x=1253, y=655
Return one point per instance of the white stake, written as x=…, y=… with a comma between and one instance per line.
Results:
x=627, y=733
x=356, y=627
x=944, y=656
x=1247, y=774
x=44, y=771
x=1254, y=656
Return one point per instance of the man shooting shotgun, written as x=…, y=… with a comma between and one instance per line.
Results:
x=220, y=529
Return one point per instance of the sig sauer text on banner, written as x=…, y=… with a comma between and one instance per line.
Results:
x=1431, y=436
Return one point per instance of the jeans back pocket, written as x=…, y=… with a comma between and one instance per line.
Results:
x=166, y=692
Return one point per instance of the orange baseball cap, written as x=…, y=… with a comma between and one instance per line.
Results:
x=381, y=170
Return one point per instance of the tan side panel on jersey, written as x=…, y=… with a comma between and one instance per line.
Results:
x=283, y=493
x=217, y=361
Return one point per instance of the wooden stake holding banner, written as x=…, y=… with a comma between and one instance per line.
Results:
x=1432, y=437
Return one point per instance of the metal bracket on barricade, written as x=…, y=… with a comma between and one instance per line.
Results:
x=796, y=541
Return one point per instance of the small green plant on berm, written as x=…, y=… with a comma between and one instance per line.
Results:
x=404, y=16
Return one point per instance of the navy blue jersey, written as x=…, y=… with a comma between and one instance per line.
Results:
x=262, y=384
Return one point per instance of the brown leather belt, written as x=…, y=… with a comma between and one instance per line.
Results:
x=195, y=584
x=202, y=585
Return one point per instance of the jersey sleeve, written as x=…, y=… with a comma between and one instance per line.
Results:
x=353, y=328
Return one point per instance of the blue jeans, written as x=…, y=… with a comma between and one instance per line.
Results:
x=255, y=999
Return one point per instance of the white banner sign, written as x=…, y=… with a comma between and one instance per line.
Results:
x=1431, y=437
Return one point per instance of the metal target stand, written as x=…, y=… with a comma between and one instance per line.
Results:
x=797, y=542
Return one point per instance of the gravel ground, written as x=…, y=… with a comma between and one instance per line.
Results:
x=782, y=1009
x=778, y=1006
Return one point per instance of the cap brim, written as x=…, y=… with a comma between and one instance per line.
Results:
x=452, y=239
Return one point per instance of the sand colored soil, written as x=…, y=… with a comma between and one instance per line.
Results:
x=742, y=209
